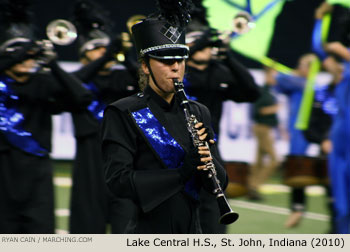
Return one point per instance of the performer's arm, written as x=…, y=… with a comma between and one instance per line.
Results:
x=268, y=110
x=323, y=9
x=286, y=83
x=339, y=49
x=69, y=89
x=244, y=89
x=87, y=72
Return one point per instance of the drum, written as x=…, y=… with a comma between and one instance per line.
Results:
x=301, y=171
x=322, y=170
x=237, y=173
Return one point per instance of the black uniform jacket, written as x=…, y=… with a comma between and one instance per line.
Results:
x=45, y=94
x=218, y=83
x=41, y=96
x=134, y=170
x=90, y=196
x=117, y=84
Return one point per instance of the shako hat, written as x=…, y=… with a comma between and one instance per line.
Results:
x=93, y=25
x=162, y=35
x=15, y=25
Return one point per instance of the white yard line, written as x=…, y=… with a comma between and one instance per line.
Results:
x=279, y=188
x=62, y=181
x=243, y=204
x=276, y=210
x=265, y=189
x=61, y=231
x=62, y=212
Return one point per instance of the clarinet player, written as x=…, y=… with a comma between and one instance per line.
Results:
x=148, y=152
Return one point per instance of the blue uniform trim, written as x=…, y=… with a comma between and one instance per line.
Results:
x=11, y=122
x=167, y=148
x=96, y=107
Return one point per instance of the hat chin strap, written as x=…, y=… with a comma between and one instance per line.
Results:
x=152, y=76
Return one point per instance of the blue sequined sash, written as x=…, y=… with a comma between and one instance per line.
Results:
x=11, y=122
x=96, y=107
x=167, y=148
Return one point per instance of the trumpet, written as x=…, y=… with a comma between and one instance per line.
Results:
x=61, y=32
x=242, y=23
x=228, y=216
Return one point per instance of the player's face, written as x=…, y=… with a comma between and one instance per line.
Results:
x=24, y=67
x=164, y=71
x=202, y=55
x=95, y=53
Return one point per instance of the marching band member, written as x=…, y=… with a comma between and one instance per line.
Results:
x=148, y=153
x=28, y=98
x=92, y=205
x=211, y=82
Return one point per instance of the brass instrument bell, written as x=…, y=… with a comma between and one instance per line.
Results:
x=61, y=32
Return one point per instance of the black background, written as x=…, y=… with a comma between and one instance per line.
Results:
x=291, y=39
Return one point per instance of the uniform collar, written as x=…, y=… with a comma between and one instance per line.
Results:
x=148, y=91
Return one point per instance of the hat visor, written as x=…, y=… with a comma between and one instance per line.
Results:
x=174, y=53
x=94, y=44
x=13, y=44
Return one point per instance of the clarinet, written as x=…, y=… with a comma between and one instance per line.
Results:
x=227, y=215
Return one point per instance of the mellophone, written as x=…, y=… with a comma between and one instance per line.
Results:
x=237, y=173
x=300, y=171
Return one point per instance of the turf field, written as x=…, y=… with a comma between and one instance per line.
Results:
x=263, y=217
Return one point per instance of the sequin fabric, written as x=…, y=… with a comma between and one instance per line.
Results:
x=167, y=148
x=96, y=107
x=11, y=121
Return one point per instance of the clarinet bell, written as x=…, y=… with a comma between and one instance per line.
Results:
x=228, y=216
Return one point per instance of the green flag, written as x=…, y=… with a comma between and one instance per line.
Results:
x=345, y=3
x=305, y=108
x=255, y=43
